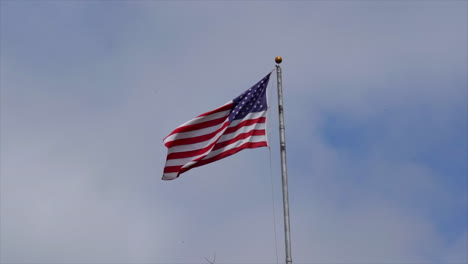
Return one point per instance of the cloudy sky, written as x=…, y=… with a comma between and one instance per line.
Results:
x=376, y=109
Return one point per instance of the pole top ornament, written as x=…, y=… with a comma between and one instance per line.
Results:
x=278, y=59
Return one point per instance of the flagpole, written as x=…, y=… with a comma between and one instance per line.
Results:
x=284, y=173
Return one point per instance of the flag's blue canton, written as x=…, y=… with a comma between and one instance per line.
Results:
x=252, y=100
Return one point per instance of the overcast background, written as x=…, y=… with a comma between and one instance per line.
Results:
x=376, y=124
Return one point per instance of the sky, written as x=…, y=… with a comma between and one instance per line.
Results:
x=376, y=112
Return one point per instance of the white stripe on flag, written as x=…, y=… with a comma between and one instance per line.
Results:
x=242, y=130
x=200, y=145
x=197, y=132
x=252, y=139
x=236, y=144
x=253, y=115
x=226, y=137
x=169, y=175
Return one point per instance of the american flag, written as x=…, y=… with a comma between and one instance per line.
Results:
x=237, y=125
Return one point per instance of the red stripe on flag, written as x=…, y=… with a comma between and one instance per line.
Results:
x=226, y=154
x=201, y=125
x=177, y=168
x=193, y=140
x=239, y=137
x=193, y=153
x=170, y=169
x=245, y=123
x=188, y=154
x=222, y=108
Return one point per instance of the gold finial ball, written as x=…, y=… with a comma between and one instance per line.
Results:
x=278, y=59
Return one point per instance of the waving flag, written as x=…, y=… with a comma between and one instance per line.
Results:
x=237, y=125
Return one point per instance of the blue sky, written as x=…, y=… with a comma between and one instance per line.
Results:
x=376, y=108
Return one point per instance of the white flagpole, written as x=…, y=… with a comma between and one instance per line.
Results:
x=284, y=173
